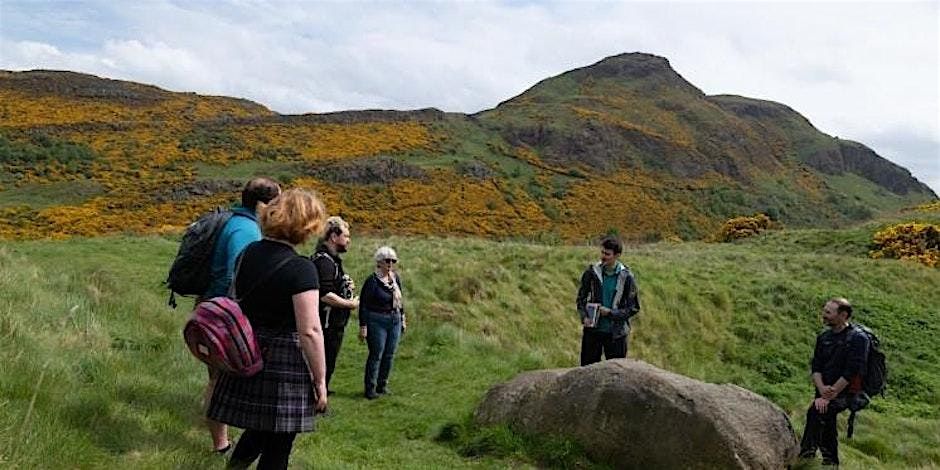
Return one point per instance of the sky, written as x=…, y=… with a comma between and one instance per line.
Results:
x=863, y=71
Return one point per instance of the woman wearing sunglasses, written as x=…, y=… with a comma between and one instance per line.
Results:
x=381, y=320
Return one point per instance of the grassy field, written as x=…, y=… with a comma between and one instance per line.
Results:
x=95, y=373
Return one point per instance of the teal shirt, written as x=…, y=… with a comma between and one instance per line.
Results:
x=608, y=290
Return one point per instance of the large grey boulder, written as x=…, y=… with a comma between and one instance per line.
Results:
x=632, y=415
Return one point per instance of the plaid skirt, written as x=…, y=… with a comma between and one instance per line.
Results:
x=280, y=398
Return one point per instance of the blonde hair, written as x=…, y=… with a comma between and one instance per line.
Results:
x=335, y=225
x=294, y=216
x=384, y=253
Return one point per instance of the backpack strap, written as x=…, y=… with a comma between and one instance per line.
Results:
x=326, y=256
x=851, y=428
x=231, y=287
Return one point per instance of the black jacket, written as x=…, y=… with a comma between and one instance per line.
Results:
x=376, y=296
x=841, y=354
x=332, y=279
x=626, y=299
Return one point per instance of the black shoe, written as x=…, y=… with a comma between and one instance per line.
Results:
x=383, y=391
x=225, y=450
x=370, y=395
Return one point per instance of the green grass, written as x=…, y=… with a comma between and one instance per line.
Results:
x=39, y=196
x=95, y=374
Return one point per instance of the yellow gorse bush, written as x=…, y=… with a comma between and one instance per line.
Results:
x=932, y=206
x=909, y=241
x=743, y=227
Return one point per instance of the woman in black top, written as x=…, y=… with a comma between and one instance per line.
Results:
x=381, y=320
x=281, y=300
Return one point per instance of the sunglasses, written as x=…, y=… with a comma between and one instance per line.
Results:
x=391, y=261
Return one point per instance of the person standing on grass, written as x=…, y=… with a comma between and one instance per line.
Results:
x=336, y=288
x=837, y=367
x=240, y=230
x=609, y=287
x=381, y=320
x=281, y=300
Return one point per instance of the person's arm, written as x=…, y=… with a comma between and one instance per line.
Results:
x=233, y=245
x=629, y=304
x=365, y=296
x=337, y=301
x=584, y=294
x=311, y=341
x=404, y=321
x=238, y=239
x=326, y=270
x=818, y=382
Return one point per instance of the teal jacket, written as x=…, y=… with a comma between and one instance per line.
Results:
x=237, y=233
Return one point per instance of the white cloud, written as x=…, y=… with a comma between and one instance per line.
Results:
x=856, y=70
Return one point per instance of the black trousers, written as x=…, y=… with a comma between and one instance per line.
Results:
x=821, y=432
x=332, y=341
x=273, y=447
x=594, y=342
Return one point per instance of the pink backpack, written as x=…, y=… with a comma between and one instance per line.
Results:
x=220, y=335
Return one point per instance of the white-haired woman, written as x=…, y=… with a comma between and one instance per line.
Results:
x=381, y=320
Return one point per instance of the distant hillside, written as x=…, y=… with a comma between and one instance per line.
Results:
x=625, y=145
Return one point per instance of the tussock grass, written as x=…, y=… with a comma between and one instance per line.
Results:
x=95, y=374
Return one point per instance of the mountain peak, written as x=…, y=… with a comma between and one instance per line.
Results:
x=636, y=71
x=636, y=67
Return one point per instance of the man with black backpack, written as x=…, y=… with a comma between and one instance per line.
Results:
x=336, y=288
x=838, y=369
x=239, y=230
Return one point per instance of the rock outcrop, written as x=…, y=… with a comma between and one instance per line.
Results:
x=632, y=415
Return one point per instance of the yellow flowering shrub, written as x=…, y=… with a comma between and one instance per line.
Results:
x=742, y=227
x=932, y=206
x=442, y=203
x=909, y=241
x=20, y=109
x=622, y=202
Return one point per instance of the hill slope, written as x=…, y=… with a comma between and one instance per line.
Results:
x=80, y=155
x=95, y=372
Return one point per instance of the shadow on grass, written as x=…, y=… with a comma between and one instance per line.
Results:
x=471, y=440
x=136, y=417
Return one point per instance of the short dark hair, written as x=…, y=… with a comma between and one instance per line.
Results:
x=842, y=306
x=612, y=244
x=259, y=190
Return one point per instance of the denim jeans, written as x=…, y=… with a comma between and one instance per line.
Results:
x=383, y=333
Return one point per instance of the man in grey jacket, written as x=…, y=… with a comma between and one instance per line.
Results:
x=608, y=287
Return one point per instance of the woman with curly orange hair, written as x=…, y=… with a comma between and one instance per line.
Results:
x=278, y=291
